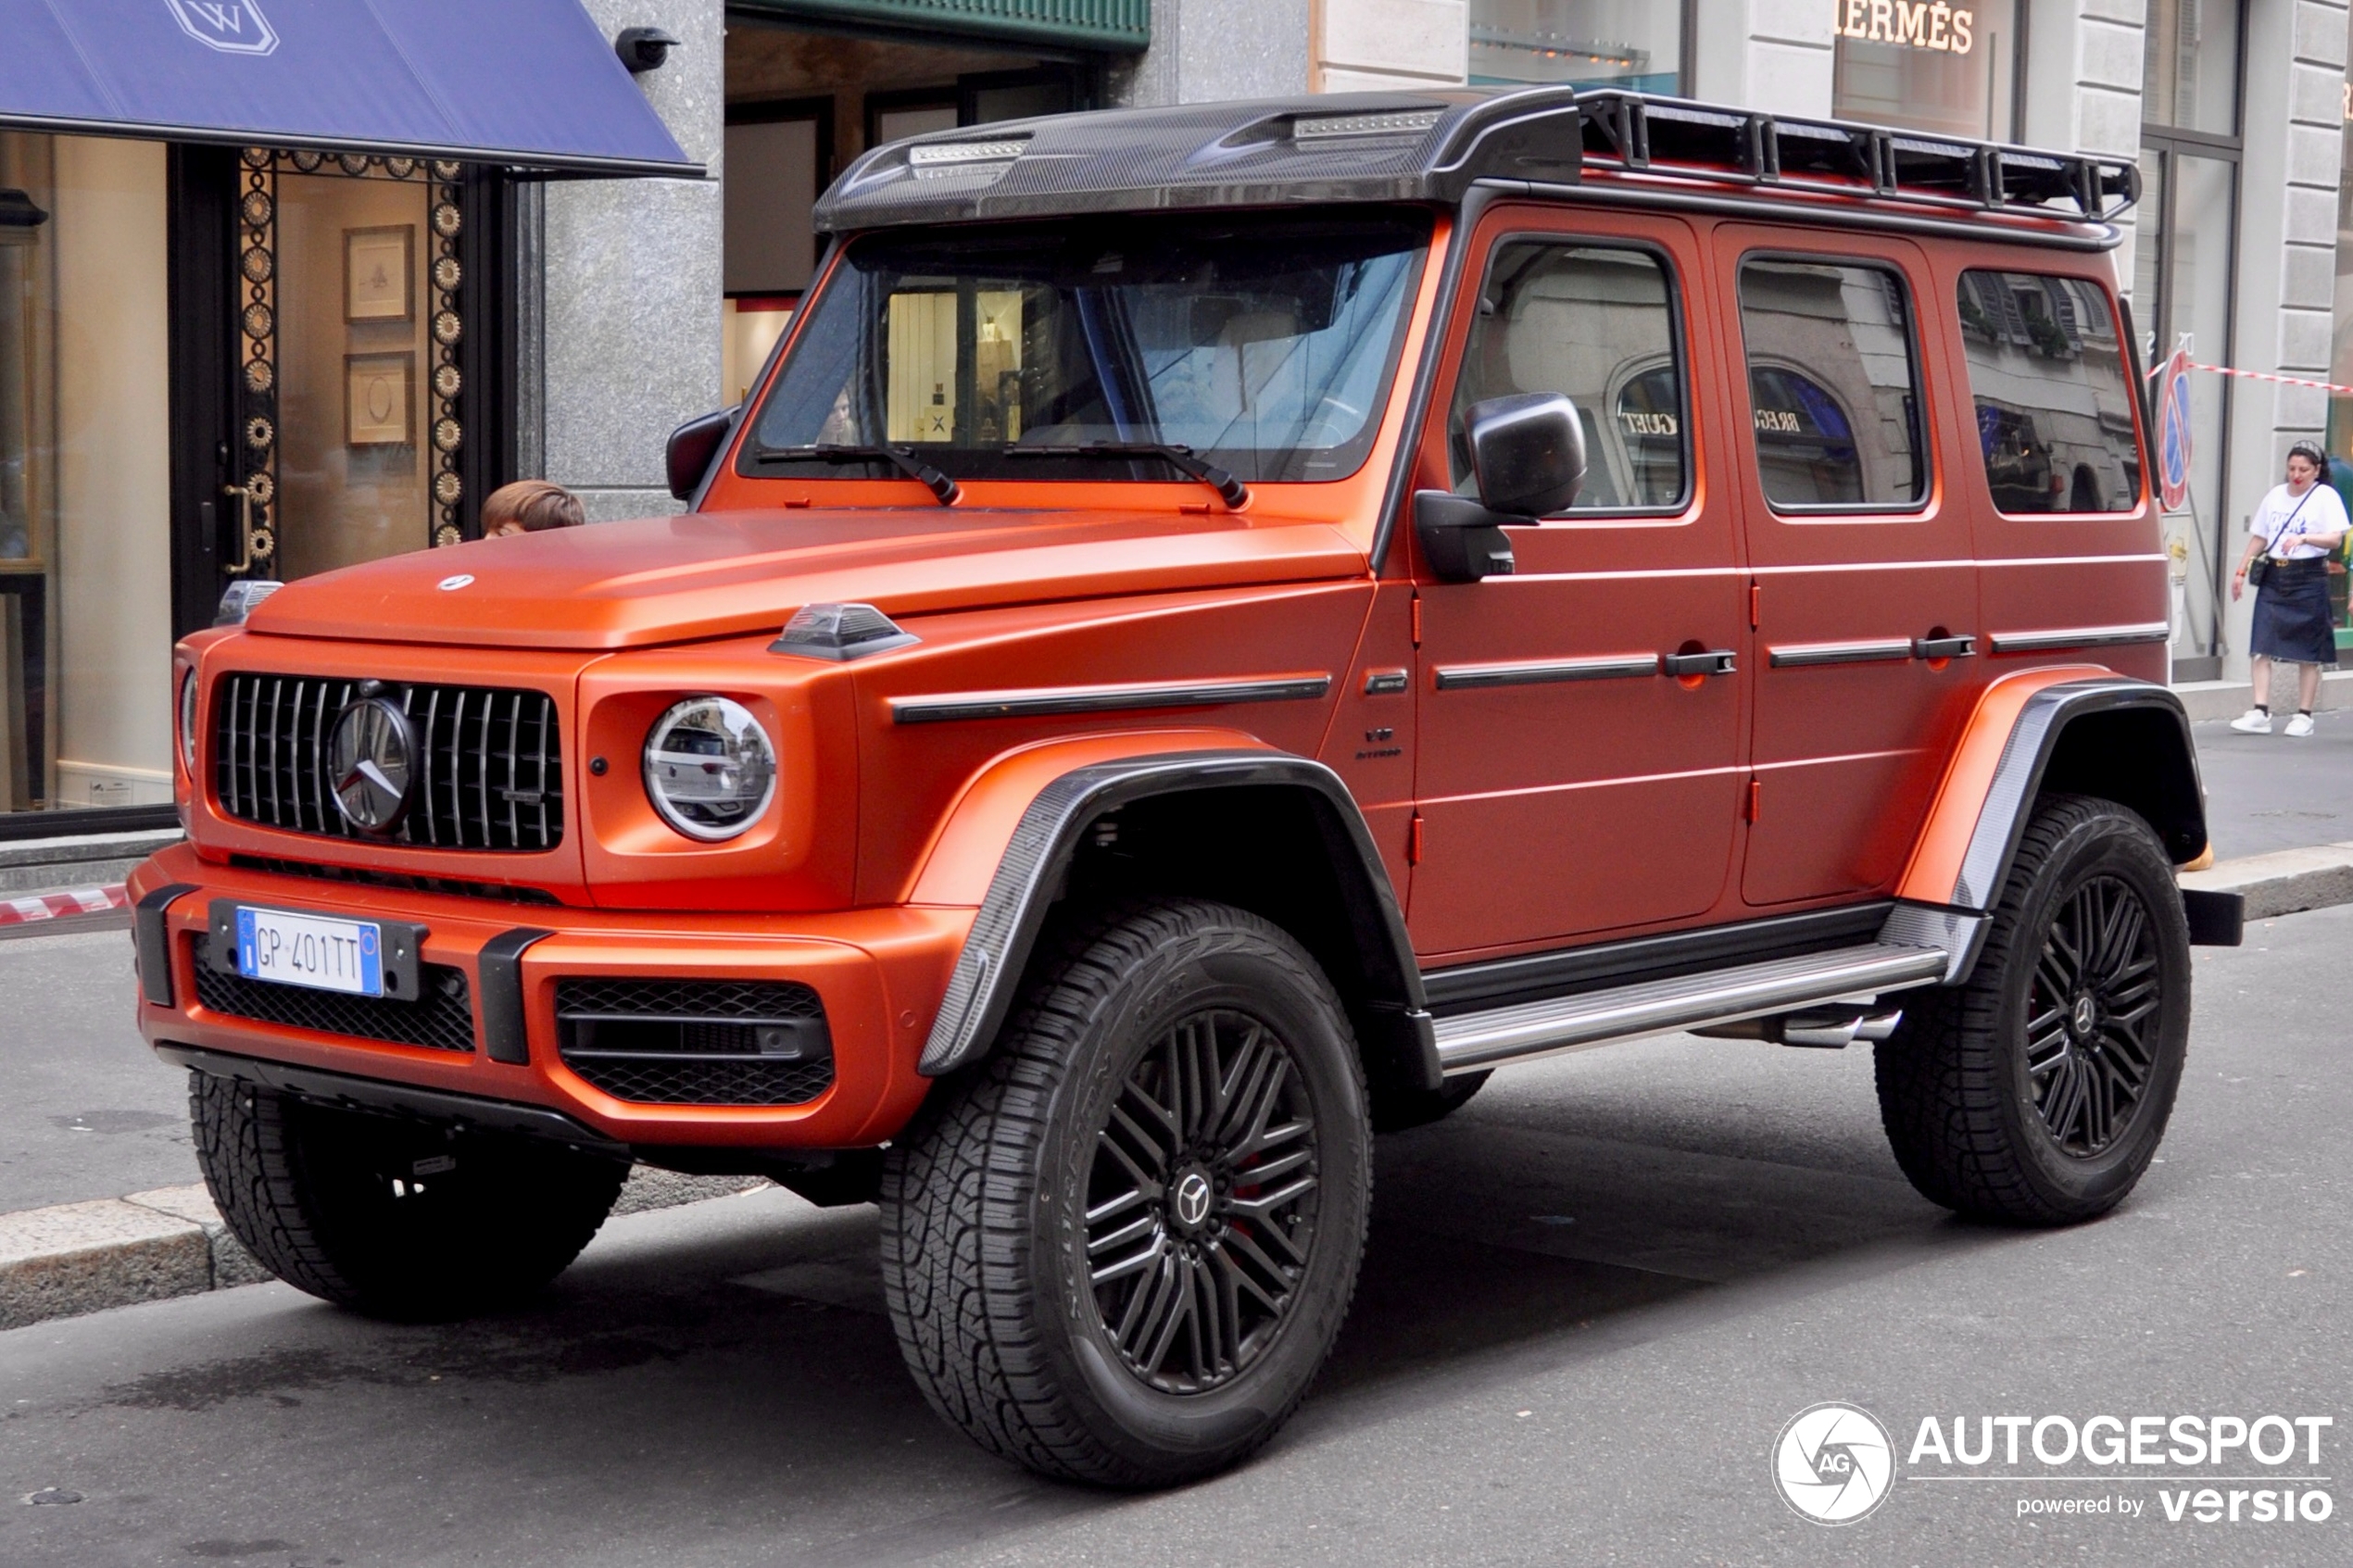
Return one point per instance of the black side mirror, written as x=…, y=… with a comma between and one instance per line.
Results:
x=693, y=446
x=1528, y=452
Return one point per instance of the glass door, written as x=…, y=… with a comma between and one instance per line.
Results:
x=349, y=422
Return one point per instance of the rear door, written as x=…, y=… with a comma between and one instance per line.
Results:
x=1864, y=589
x=1567, y=782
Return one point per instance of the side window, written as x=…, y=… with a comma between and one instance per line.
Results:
x=1834, y=375
x=1597, y=324
x=2054, y=406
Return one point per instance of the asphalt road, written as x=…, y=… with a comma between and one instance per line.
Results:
x=1593, y=1300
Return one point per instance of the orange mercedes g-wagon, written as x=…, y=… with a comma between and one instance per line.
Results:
x=1218, y=627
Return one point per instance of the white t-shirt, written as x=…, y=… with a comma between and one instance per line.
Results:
x=2323, y=513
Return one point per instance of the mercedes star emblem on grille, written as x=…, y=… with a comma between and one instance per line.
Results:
x=369, y=766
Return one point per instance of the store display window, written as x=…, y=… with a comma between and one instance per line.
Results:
x=1934, y=67
x=1633, y=43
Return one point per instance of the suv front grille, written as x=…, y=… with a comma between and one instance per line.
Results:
x=442, y=1020
x=488, y=773
x=695, y=1042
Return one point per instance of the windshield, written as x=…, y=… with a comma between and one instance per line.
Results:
x=1265, y=343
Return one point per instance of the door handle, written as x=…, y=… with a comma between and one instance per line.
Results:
x=1714, y=662
x=1961, y=646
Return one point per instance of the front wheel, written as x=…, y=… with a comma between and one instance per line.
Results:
x=1119, y=1249
x=2036, y=1091
x=394, y=1218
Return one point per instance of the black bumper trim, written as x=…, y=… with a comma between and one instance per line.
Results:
x=505, y=1035
x=401, y=1099
x=152, y=941
x=2217, y=919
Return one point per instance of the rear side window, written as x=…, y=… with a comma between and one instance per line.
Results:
x=1833, y=378
x=1596, y=324
x=2054, y=406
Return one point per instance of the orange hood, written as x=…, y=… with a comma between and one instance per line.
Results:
x=717, y=574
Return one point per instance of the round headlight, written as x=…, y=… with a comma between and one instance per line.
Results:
x=188, y=721
x=710, y=768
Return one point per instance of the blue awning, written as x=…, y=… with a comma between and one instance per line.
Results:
x=527, y=83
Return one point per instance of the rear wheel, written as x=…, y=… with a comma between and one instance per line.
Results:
x=1119, y=1250
x=2036, y=1091
x=395, y=1217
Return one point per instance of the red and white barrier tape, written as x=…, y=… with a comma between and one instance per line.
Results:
x=63, y=906
x=2262, y=375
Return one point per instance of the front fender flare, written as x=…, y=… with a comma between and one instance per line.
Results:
x=1039, y=853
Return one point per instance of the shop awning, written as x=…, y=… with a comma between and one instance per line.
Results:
x=1108, y=26
x=527, y=83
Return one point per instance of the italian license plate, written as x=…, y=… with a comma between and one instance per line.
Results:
x=313, y=950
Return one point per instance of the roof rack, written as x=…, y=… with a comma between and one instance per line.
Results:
x=1675, y=137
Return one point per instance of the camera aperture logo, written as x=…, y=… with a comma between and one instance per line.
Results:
x=1835, y=1463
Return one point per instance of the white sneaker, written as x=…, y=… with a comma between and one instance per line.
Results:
x=2300, y=726
x=2254, y=722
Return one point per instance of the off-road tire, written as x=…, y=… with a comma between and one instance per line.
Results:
x=1955, y=1085
x=986, y=1199
x=1394, y=1109
x=310, y=1190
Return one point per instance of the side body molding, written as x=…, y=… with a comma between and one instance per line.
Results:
x=1038, y=857
x=2080, y=730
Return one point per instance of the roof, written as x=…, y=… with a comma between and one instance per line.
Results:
x=1437, y=146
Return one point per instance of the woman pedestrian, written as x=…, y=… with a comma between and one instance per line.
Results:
x=529, y=506
x=2288, y=543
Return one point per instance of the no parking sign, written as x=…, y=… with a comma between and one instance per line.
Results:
x=2173, y=431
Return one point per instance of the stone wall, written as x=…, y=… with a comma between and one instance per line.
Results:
x=627, y=334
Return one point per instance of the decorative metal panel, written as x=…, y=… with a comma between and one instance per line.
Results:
x=1124, y=26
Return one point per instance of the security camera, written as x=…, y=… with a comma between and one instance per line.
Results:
x=643, y=48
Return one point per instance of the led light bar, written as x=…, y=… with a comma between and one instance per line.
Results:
x=936, y=155
x=1388, y=122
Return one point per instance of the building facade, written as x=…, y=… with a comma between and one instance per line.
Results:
x=328, y=353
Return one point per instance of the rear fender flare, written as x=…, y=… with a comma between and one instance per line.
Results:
x=1037, y=855
x=2081, y=730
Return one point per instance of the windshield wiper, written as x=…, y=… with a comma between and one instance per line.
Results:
x=1234, y=493
x=900, y=457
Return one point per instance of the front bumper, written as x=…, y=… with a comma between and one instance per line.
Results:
x=878, y=972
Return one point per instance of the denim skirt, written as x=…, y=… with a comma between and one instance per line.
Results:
x=2292, y=615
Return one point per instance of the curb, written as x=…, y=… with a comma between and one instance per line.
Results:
x=80, y=1258
x=77, y=1257
x=2284, y=881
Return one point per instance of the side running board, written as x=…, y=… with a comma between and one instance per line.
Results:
x=1472, y=1040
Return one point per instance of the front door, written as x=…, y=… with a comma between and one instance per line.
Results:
x=1866, y=644
x=1569, y=779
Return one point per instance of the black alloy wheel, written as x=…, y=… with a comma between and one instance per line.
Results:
x=2036, y=1091
x=1118, y=1248
x=1200, y=1208
x=2093, y=1016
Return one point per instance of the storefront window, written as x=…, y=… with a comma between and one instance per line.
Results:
x=1633, y=43
x=2191, y=76
x=1934, y=67
x=85, y=588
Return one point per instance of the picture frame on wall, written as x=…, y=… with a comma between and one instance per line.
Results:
x=379, y=399
x=379, y=273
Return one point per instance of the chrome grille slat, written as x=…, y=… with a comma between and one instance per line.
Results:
x=271, y=735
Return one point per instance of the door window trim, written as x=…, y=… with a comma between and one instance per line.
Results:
x=1924, y=433
x=1678, y=355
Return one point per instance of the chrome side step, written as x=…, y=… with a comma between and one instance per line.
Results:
x=1597, y=1018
